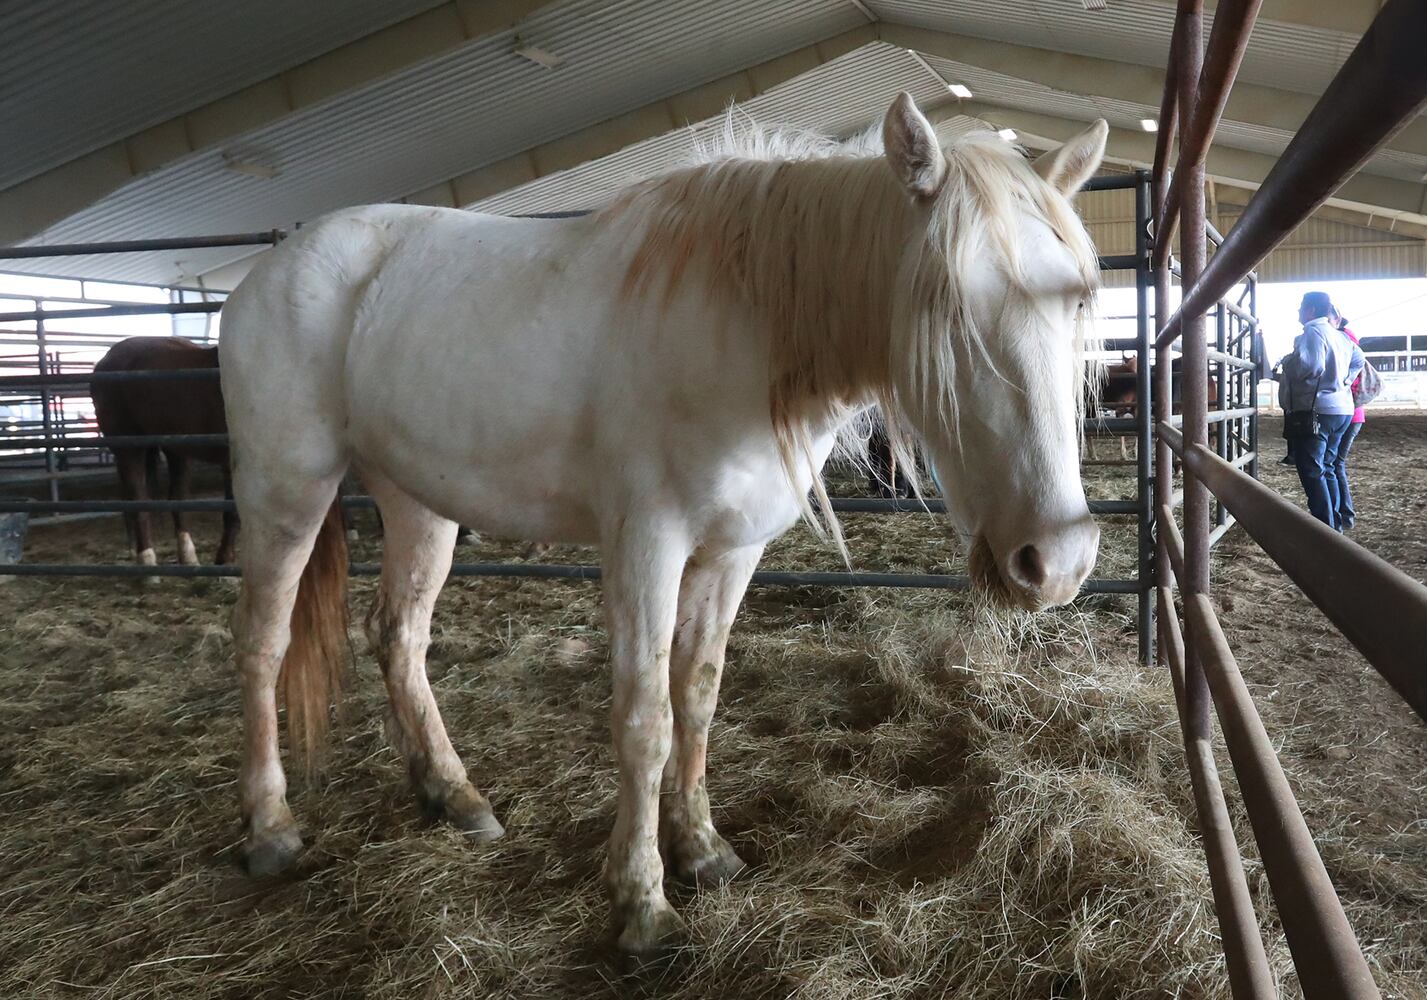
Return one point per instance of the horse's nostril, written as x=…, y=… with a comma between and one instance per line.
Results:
x=1027, y=566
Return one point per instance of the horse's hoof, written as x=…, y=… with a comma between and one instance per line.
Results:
x=650, y=929
x=468, y=811
x=272, y=854
x=478, y=825
x=713, y=864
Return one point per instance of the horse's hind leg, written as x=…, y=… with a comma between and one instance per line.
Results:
x=416, y=556
x=132, y=465
x=281, y=528
x=227, y=548
x=178, y=483
x=709, y=597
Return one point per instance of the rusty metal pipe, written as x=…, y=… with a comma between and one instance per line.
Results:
x=1244, y=955
x=1164, y=138
x=1377, y=607
x=1189, y=181
x=1381, y=86
x=1228, y=40
x=1325, y=952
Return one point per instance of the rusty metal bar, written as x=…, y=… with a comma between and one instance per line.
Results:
x=1247, y=964
x=1377, y=607
x=1164, y=138
x=1381, y=86
x=1325, y=952
x=1189, y=181
x=1233, y=20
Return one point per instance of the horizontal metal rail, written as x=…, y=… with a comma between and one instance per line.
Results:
x=1118, y=262
x=1110, y=182
x=1325, y=952
x=116, y=441
x=85, y=379
x=843, y=505
x=770, y=578
x=99, y=312
x=1377, y=607
x=271, y=236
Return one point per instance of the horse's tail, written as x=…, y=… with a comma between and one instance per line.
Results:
x=316, y=666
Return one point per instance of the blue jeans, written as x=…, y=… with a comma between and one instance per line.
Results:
x=1315, y=457
x=1346, y=514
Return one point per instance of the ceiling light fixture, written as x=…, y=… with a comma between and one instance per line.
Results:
x=1009, y=134
x=537, y=55
x=245, y=164
x=1094, y=4
x=959, y=90
x=1149, y=124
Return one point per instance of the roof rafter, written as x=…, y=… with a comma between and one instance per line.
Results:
x=28, y=207
x=1365, y=200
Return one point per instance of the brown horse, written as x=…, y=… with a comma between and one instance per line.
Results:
x=178, y=406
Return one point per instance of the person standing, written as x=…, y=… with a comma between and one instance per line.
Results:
x=1347, y=514
x=1323, y=365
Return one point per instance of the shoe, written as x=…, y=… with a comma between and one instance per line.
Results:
x=1286, y=460
x=1348, y=523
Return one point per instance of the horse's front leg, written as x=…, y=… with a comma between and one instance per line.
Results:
x=643, y=566
x=709, y=597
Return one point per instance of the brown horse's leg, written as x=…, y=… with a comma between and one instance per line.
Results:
x=227, y=547
x=416, y=557
x=178, y=483
x=709, y=597
x=132, y=465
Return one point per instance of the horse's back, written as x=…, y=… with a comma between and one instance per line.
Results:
x=187, y=406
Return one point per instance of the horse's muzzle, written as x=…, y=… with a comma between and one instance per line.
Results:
x=1039, y=574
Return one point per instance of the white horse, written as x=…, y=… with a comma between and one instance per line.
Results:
x=664, y=378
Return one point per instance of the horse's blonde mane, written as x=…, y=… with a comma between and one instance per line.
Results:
x=858, y=286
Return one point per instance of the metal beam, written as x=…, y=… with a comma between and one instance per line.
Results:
x=28, y=207
x=1382, y=84
x=1092, y=76
x=651, y=120
x=1364, y=193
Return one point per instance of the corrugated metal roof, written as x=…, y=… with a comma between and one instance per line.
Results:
x=1293, y=57
x=838, y=98
x=81, y=74
x=475, y=105
x=1012, y=92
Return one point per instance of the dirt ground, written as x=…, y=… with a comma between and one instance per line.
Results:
x=935, y=799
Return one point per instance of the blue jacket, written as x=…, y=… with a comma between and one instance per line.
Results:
x=1322, y=368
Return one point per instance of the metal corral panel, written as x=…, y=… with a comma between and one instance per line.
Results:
x=81, y=74
x=838, y=98
x=1289, y=56
x=475, y=105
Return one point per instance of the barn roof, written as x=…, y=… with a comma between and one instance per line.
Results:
x=168, y=118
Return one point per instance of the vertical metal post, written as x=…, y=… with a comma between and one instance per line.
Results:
x=1253, y=467
x=1192, y=236
x=46, y=419
x=1144, y=395
x=1221, y=384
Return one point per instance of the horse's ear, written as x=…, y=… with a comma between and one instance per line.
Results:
x=1070, y=166
x=911, y=148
